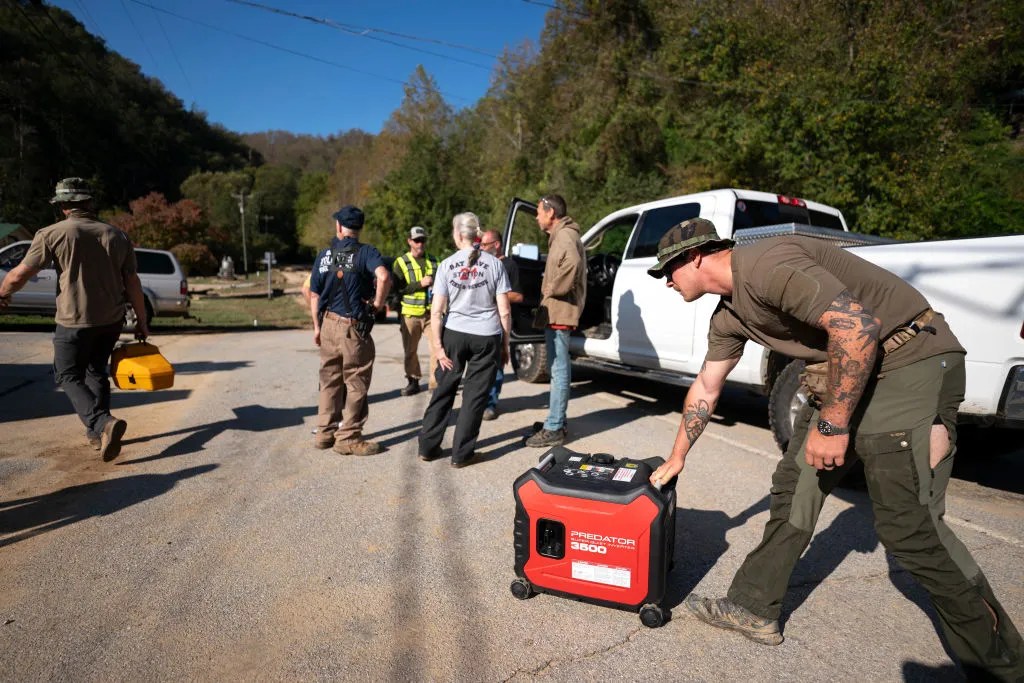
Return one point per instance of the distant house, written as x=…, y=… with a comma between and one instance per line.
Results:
x=13, y=232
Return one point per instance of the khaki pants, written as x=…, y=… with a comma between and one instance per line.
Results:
x=413, y=328
x=346, y=367
x=891, y=432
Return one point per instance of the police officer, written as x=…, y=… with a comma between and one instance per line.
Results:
x=343, y=300
x=96, y=270
x=414, y=275
x=893, y=380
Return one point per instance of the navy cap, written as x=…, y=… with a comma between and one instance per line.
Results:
x=350, y=217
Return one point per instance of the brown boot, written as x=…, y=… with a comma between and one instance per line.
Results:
x=110, y=439
x=357, y=447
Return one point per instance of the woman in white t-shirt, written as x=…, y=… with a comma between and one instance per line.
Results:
x=471, y=286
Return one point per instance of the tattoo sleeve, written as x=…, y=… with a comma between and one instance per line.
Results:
x=852, y=348
x=696, y=417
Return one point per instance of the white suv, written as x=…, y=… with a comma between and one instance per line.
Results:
x=163, y=284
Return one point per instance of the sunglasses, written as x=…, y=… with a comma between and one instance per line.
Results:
x=420, y=240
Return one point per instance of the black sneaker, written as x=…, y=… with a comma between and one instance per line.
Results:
x=413, y=387
x=546, y=437
x=724, y=613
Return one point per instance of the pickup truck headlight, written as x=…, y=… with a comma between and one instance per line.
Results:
x=1013, y=400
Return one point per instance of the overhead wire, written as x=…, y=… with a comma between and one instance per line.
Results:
x=174, y=54
x=142, y=40
x=358, y=32
x=85, y=11
x=286, y=49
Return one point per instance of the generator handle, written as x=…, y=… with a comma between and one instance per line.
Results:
x=657, y=485
x=545, y=461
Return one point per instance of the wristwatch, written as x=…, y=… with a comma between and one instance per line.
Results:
x=826, y=428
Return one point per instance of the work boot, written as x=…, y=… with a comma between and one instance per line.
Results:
x=490, y=413
x=432, y=454
x=94, y=440
x=457, y=464
x=724, y=613
x=547, y=437
x=413, y=387
x=357, y=447
x=323, y=441
x=110, y=438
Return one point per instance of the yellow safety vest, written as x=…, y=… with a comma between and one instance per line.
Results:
x=415, y=304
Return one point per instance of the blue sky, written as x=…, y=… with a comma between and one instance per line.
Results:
x=249, y=87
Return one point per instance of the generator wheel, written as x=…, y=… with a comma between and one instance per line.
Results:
x=652, y=616
x=521, y=589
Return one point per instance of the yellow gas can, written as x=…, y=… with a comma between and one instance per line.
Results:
x=140, y=366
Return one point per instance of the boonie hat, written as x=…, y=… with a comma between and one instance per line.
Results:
x=693, y=232
x=349, y=216
x=417, y=232
x=72, y=190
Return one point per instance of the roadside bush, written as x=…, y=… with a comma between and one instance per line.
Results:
x=196, y=259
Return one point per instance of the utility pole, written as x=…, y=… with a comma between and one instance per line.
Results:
x=266, y=219
x=241, y=210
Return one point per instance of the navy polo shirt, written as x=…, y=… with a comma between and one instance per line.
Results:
x=348, y=295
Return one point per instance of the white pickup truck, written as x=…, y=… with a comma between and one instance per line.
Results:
x=635, y=325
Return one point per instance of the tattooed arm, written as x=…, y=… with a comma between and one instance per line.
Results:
x=701, y=399
x=853, y=333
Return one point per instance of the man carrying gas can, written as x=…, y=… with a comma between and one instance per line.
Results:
x=343, y=302
x=888, y=381
x=96, y=271
x=414, y=275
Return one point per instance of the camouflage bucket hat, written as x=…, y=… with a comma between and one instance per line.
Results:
x=72, y=190
x=680, y=238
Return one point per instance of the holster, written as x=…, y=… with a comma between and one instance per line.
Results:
x=814, y=379
x=365, y=324
x=904, y=334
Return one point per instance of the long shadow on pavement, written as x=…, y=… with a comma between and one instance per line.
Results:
x=27, y=517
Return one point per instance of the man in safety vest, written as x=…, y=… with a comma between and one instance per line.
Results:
x=414, y=276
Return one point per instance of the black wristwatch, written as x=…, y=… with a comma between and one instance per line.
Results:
x=826, y=428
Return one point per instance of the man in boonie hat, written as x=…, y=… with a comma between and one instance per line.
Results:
x=894, y=380
x=96, y=272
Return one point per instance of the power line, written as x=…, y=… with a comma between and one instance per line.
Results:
x=365, y=33
x=85, y=11
x=139, y=33
x=286, y=50
x=175, y=55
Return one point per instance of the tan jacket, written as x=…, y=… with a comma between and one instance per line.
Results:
x=564, y=289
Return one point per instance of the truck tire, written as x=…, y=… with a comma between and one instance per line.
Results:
x=785, y=401
x=130, y=319
x=532, y=360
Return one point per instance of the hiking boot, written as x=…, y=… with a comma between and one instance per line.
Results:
x=357, y=447
x=323, y=441
x=110, y=439
x=412, y=388
x=432, y=454
x=462, y=463
x=490, y=413
x=724, y=613
x=547, y=437
x=94, y=441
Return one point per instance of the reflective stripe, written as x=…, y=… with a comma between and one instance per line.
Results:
x=414, y=304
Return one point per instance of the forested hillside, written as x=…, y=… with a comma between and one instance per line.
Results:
x=904, y=114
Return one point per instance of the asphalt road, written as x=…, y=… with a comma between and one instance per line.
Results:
x=222, y=546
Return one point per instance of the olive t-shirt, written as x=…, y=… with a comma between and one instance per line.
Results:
x=782, y=286
x=92, y=260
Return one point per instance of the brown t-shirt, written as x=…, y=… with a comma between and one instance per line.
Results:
x=782, y=286
x=92, y=260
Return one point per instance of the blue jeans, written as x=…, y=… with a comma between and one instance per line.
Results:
x=492, y=397
x=560, y=369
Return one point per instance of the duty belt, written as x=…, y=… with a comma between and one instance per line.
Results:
x=907, y=332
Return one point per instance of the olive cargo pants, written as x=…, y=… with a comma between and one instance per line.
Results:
x=891, y=436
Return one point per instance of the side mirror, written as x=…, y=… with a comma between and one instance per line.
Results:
x=526, y=251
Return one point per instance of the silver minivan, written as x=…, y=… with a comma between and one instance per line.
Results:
x=163, y=284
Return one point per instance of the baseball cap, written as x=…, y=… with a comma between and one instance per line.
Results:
x=349, y=216
x=691, y=233
x=72, y=190
x=417, y=232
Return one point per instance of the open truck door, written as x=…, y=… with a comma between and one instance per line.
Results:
x=526, y=244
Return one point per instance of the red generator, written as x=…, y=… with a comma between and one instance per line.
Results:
x=593, y=528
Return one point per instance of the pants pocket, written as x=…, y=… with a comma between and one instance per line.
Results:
x=889, y=467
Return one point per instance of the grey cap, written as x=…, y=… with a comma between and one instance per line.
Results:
x=417, y=231
x=72, y=190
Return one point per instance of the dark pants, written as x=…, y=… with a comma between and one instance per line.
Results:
x=80, y=358
x=478, y=357
x=908, y=496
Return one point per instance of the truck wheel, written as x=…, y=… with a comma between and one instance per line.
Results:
x=130, y=318
x=785, y=401
x=533, y=362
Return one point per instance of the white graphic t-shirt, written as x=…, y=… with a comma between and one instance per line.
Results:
x=471, y=292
